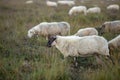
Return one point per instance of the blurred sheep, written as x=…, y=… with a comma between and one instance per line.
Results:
x=65, y=2
x=113, y=7
x=29, y=2
x=94, y=10
x=86, y=32
x=114, y=44
x=80, y=46
x=47, y=29
x=110, y=26
x=51, y=3
x=77, y=9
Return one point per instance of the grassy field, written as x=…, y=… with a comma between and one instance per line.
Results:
x=29, y=59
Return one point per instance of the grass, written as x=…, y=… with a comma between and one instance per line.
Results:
x=29, y=59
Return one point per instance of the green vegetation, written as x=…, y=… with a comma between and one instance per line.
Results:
x=29, y=59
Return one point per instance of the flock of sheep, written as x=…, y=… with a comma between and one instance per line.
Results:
x=78, y=9
x=85, y=42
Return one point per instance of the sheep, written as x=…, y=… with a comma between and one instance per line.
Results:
x=113, y=7
x=51, y=3
x=114, y=44
x=47, y=29
x=77, y=9
x=80, y=46
x=110, y=26
x=86, y=32
x=29, y=2
x=94, y=10
x=69, y=3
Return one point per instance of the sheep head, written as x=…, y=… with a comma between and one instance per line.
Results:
x=101, y=29
x=51, y=41
x=32, y=32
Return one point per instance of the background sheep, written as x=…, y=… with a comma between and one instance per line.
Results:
x=111, y=26
x=113, y=7
x=51, y=3
x=114, y=43
x=94, y=10
x=69, y=3
x=86, y=32
x=48, y=29
x=29, y=2
x=80, y=46
x=77, y=9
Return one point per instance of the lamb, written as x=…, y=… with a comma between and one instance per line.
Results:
x=80, y=46
x=113, y=7
x=51, y=3
x=47, y=29
x=94, y=10
x=110, y=26
x=69, y=3
x=86, y=32
x=114, y=44
x=77, y=9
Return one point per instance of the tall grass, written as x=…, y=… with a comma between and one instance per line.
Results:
x=29, y=59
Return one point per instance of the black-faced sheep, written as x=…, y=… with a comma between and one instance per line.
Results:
x=80, y=46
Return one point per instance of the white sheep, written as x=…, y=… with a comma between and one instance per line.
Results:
x=113, y=7
x=94, y=10
x=29, y=2
x=69, y=3
x=51, y=3
x=80, y=46
x=77, y=9
x=86, y=32
x=114, y=43
x=47, y=29
x=110, y=26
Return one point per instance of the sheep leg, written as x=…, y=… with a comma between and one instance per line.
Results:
x=75, y=61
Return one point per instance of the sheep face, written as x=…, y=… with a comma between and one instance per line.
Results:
x=102, y=29
x=51, y=41
x=30, y=33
